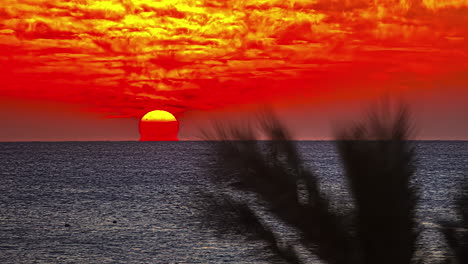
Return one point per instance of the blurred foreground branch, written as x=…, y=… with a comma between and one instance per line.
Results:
x=456, y=233
x=269, y=177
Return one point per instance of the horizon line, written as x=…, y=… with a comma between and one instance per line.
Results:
x=195, y=140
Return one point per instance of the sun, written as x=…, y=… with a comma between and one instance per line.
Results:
x=158, y=125
x=158, y=116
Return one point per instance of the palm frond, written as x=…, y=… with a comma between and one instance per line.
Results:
x=379, y=166
x=378, y=162
x=456, y=233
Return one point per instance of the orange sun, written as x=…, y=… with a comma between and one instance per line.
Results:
x=159, y=125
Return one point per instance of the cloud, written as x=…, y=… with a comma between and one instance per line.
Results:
x=128, y=56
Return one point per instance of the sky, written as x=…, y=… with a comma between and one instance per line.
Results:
x=89, y=70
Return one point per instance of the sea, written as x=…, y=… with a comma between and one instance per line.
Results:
x=139, y=202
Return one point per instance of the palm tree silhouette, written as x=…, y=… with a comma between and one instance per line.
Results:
x=378, y=162
x=456, y=233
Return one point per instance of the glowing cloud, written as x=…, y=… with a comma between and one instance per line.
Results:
x=127, y=57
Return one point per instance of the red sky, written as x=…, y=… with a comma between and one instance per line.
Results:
x=87, y=70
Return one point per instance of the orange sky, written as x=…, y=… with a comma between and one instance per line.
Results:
x=124, y=58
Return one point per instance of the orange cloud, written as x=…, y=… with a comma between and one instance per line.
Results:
x=126, y=57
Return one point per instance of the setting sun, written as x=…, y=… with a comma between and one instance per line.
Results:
x=159, y=125
x=158, y=116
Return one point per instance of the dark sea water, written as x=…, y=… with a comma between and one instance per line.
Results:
x=136, y=202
